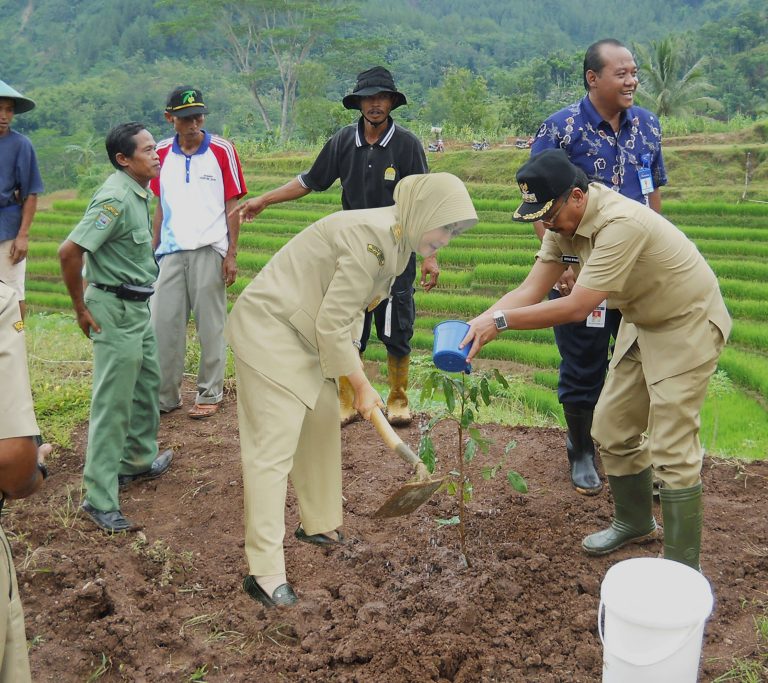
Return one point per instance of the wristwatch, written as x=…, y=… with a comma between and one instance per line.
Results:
x=500, y=320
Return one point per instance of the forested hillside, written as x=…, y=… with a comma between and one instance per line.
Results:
x=274, y=70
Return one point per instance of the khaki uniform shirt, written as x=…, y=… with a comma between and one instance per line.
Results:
x=653, y=273
x=296, y=321
x=17, y=415
x=116, y=230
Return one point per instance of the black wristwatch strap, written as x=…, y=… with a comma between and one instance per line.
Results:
x=43, y=469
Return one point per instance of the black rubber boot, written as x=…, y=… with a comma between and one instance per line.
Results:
x=633, y=520
x=581, y=450
x=682, y=513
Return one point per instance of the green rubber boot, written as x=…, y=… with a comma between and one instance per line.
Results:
x=633, y=520
x=682, y=513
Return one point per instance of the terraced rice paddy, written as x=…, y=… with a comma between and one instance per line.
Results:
x=489, y=260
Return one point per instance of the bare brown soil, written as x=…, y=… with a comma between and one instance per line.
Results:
x=394, y=605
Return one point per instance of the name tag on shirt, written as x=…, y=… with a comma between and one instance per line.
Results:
x=597, y=317
x=646, y=180
x=569, y=259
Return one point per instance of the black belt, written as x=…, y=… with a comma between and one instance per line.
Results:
x=106, y=288
x=127, y=292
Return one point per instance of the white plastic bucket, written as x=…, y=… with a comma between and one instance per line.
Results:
x=655, y=612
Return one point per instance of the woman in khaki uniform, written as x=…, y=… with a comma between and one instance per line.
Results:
x=292, y=333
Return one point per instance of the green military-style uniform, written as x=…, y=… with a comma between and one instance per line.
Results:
x=116, y=231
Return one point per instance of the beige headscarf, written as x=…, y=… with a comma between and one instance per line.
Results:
x=426, y=202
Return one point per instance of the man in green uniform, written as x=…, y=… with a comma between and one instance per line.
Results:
x=674, y=326
x=116, y=231
x=22, y=471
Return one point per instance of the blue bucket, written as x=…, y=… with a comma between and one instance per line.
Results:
x=446, y=354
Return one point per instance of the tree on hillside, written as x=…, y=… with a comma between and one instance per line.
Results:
x=662, y=87
x=462, y=100
x=267, y=42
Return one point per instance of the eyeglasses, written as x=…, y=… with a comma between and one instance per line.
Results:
x=550, y=222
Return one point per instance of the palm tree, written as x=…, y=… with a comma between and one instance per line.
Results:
x=661, y=88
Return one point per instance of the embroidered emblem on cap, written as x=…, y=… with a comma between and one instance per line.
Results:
x=528, y=197
x=377, y=252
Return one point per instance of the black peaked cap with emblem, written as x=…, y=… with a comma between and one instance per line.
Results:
x=185, y=101
x=542, y=179
x=371, y=82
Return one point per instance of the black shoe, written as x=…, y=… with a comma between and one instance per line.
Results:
x=318, y=539
x=159, y=467
x=283, y=594
x=112, y=521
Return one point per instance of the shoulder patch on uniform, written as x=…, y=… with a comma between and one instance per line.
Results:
x=19, y=326
x=377, y=252
x=108, y=207
x=103, y=219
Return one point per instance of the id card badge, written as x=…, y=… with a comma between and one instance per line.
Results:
x=597, y=317
x=646, y=180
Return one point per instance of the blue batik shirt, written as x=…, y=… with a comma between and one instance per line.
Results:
x=607, y=157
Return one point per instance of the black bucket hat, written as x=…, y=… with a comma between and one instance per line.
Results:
x=542, y=179
x=21, y=104
x=185, y=101
x=371, y=82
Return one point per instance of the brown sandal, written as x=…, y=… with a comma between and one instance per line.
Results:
x=203, y=410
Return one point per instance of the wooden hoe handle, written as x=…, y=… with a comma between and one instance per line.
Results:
x=392, y=440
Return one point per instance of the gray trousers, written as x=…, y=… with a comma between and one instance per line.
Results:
x=190, y=282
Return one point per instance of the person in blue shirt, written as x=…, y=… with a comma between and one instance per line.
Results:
x=20, y=183
x=617, y=144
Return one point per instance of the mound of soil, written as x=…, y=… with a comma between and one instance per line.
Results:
x=395, y=605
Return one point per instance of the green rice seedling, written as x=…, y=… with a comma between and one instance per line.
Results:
x=70, y=205
x=451, y=305
x=750, y=334
x=718, y=232
x=288, y=212
x=44, y=267
x=733, y=222
x=740, y=270
x=50, y=231
x=252, y=263
x=748, y=308
x=54, y=286
x=471, y=257
x=260, y=226
x=730, y=247
x=743, y=289
x=44, y=249
x=543, y=401
x=455, y=279
x=675, y=208
x=746, y=369
x=470, y=240
x=546, y=379
x=501, y=227
x=498, y=274
x=262, y=242
x=47, y=301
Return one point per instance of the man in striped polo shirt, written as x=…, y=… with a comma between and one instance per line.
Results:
x=195, y=242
